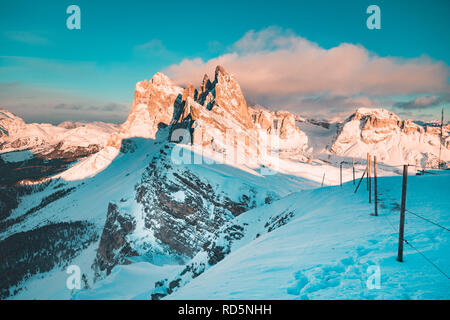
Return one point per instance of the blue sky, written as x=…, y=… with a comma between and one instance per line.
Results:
x=49, y=73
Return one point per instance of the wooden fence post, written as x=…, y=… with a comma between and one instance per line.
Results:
x=341, y=173
x=375, y=184
x=402, y=215
x=368, y=171
x=323, y=179
x=369, y=177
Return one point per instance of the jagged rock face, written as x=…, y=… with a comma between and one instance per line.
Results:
x=382, y=133
x=377, y=127
x=436, y=131
x=228, y=96
x=114, y=247
x=183, y=209
x=281, y=124
x=216, y=116
x=265, y=120
x=154, y=105
x=217, y=111
x=213, y=251
x=288, y=128
x=173, y=214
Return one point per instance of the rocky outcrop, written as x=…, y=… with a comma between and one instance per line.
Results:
x=393, y=140
x=114, y=247
x=215, y=117
x=154, y=105
x=229, y=97
x=227, y=239
x=282, y=125
x=183, y=209
x=217, y=111
x=175, y=212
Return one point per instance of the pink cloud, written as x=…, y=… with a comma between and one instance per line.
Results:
x=278, y=65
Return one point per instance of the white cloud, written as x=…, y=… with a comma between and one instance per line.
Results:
x=278, y=67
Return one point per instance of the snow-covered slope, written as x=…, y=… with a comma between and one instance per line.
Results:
x=144, y=198
x=48, y=140
x=133, y=200
x=144, y=202
x=325, y=244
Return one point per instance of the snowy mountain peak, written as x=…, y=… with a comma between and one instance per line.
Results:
x=215, y=109
x=10, y=124
x=216, y=116
x=382, y=118
x=206, y=84
x=153, y=108
x=228, y=95
x=220, y=71
x=161, y=79
x=68, y=139
x=394, y=141
x=153, y=105
x=379, y=113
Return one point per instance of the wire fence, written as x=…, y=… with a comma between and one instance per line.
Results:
x=427, y=259
x=426, y=219
x=418, y=251
x=420, y=216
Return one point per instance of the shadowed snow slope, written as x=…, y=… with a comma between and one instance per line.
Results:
x=141, y=205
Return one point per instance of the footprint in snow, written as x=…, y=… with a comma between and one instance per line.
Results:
x=311, y=281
